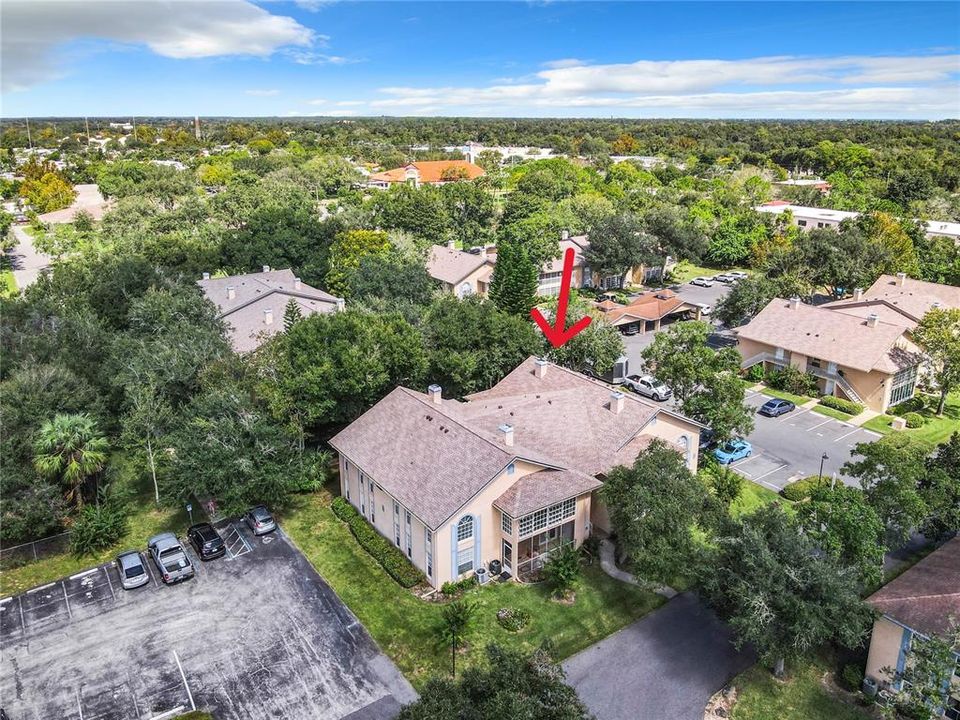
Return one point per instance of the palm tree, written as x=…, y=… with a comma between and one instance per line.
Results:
x=70, y=447
x=457, y=620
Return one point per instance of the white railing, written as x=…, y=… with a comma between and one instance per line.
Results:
x=815, y=371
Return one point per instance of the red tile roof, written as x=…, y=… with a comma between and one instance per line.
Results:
x=431, y=171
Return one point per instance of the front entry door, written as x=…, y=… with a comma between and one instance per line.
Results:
x=507, y=556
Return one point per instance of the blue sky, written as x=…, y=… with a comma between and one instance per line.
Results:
x=679, y=59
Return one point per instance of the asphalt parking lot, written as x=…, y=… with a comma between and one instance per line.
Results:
x=255, y=635
x=789, y=447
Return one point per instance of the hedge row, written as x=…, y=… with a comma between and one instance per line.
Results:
x=846, y=406
x=801, y=489
x=391, y=558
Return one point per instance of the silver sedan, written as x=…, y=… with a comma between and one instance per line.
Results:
x=132, y=572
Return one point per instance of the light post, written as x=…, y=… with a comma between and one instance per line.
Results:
x=190, y=512
x=822, y=458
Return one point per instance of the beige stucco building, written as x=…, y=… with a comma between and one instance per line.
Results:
x=864, y=359
x=505, y=476
x=920, y=602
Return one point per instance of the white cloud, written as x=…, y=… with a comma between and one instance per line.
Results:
x=563, y=63
x=34, y=30
x=262, y=93
x=310, y=57
x=350, y=103
x=923, y=86
x=317, y=101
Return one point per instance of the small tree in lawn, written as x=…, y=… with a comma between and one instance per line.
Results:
x=458, y=617
x=938, y=333
x=71, y=448
x=562, y=570
x=926, y=675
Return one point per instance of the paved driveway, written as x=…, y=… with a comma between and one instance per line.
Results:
x=789, y=447
x=662, y=667
x=254, y=636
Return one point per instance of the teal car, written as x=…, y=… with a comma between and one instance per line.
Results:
x=733, y=450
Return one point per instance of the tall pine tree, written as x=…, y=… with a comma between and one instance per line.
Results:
x=513, y=288
x=291, y=314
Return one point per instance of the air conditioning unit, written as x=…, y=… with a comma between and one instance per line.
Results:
x=482, y=575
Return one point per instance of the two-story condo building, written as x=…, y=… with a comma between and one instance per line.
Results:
x=507, y=475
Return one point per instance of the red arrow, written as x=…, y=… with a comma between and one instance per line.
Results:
x=557, y=335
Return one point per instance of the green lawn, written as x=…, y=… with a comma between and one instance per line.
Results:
x=798, y=400
x=802, y=696
x=686, y=271
x=935, y=431
x=831, y=412
x=8, y=285
x=406, y=628
x=753, y=496
x=146, y=520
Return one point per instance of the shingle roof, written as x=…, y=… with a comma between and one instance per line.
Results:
x=429, y=171
x=829, y=335
x=450, y=265
x=912, y=297
x=565, y=415
x=927, y=596
x=577, y=243
x=255, y=293
x=544, y=488
x=647, y=306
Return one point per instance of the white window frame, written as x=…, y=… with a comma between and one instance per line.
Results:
x=428, y=545
x=546, y=517
x=408, y=534
x=465, y=522
x=464, y=561
x=506, y=523
x=396, y=523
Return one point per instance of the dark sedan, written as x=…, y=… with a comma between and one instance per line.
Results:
x=776, y=407
x=206, y=541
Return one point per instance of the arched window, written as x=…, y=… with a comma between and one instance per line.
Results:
x=465, y=528
x=685, y=447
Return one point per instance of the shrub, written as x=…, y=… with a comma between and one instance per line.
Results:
x=314, y=474
x=792, y=380
x=98, y=527
x=562, y=569
x=851, y=677
x=727, y=485
x=801, y=489
x=513, y=619
x=846, y=406
x=914, y=420
x=390, y=558
x=755, y=373
x=453, y=588
x=915, y=404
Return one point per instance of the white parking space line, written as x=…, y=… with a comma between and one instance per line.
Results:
x=185, y=685
x=23, y=623
x=42, y=587
x=76, y=694
x=83, y=574
x=146, y=564
x=794, y=415
x=67, y=598
x=112, y=593
x=781, y=467
x=820, y=424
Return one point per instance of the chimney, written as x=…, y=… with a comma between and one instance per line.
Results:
x=541, y=367
x=564, y=234
x=857, y=293
x=296, y=283
x=268, y=317
x=231, y=292
x=901, y=279
x=436, y=393
x=616, y=402
x=206, y=276
x=872, y=319
x=794, y=303
x=266, y=268
x=507, y=431
x=934, y=305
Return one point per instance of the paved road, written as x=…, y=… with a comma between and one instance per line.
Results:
x=25, y=260
x=665, y=666
x=789, y=447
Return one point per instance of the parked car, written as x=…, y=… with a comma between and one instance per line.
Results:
x=738, y=274
x=725, y=278
x=133, y=573
x=206, y=541
x=170, y=558
x=704, y=308
x=260, y=520
x=648, y=386
x=702, y=281
x=776, y=407
x=733, y=450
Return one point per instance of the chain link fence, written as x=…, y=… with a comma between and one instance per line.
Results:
x=18, y=555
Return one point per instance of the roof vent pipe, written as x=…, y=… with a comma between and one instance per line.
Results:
x=436, y=393
x=507, y=431
x=268, y=317
x=872, y=319
x=206, y=276
x=857, y=293
x=266, y=268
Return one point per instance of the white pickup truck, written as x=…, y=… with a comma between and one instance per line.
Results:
x=170, y=558
x=648, y=386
